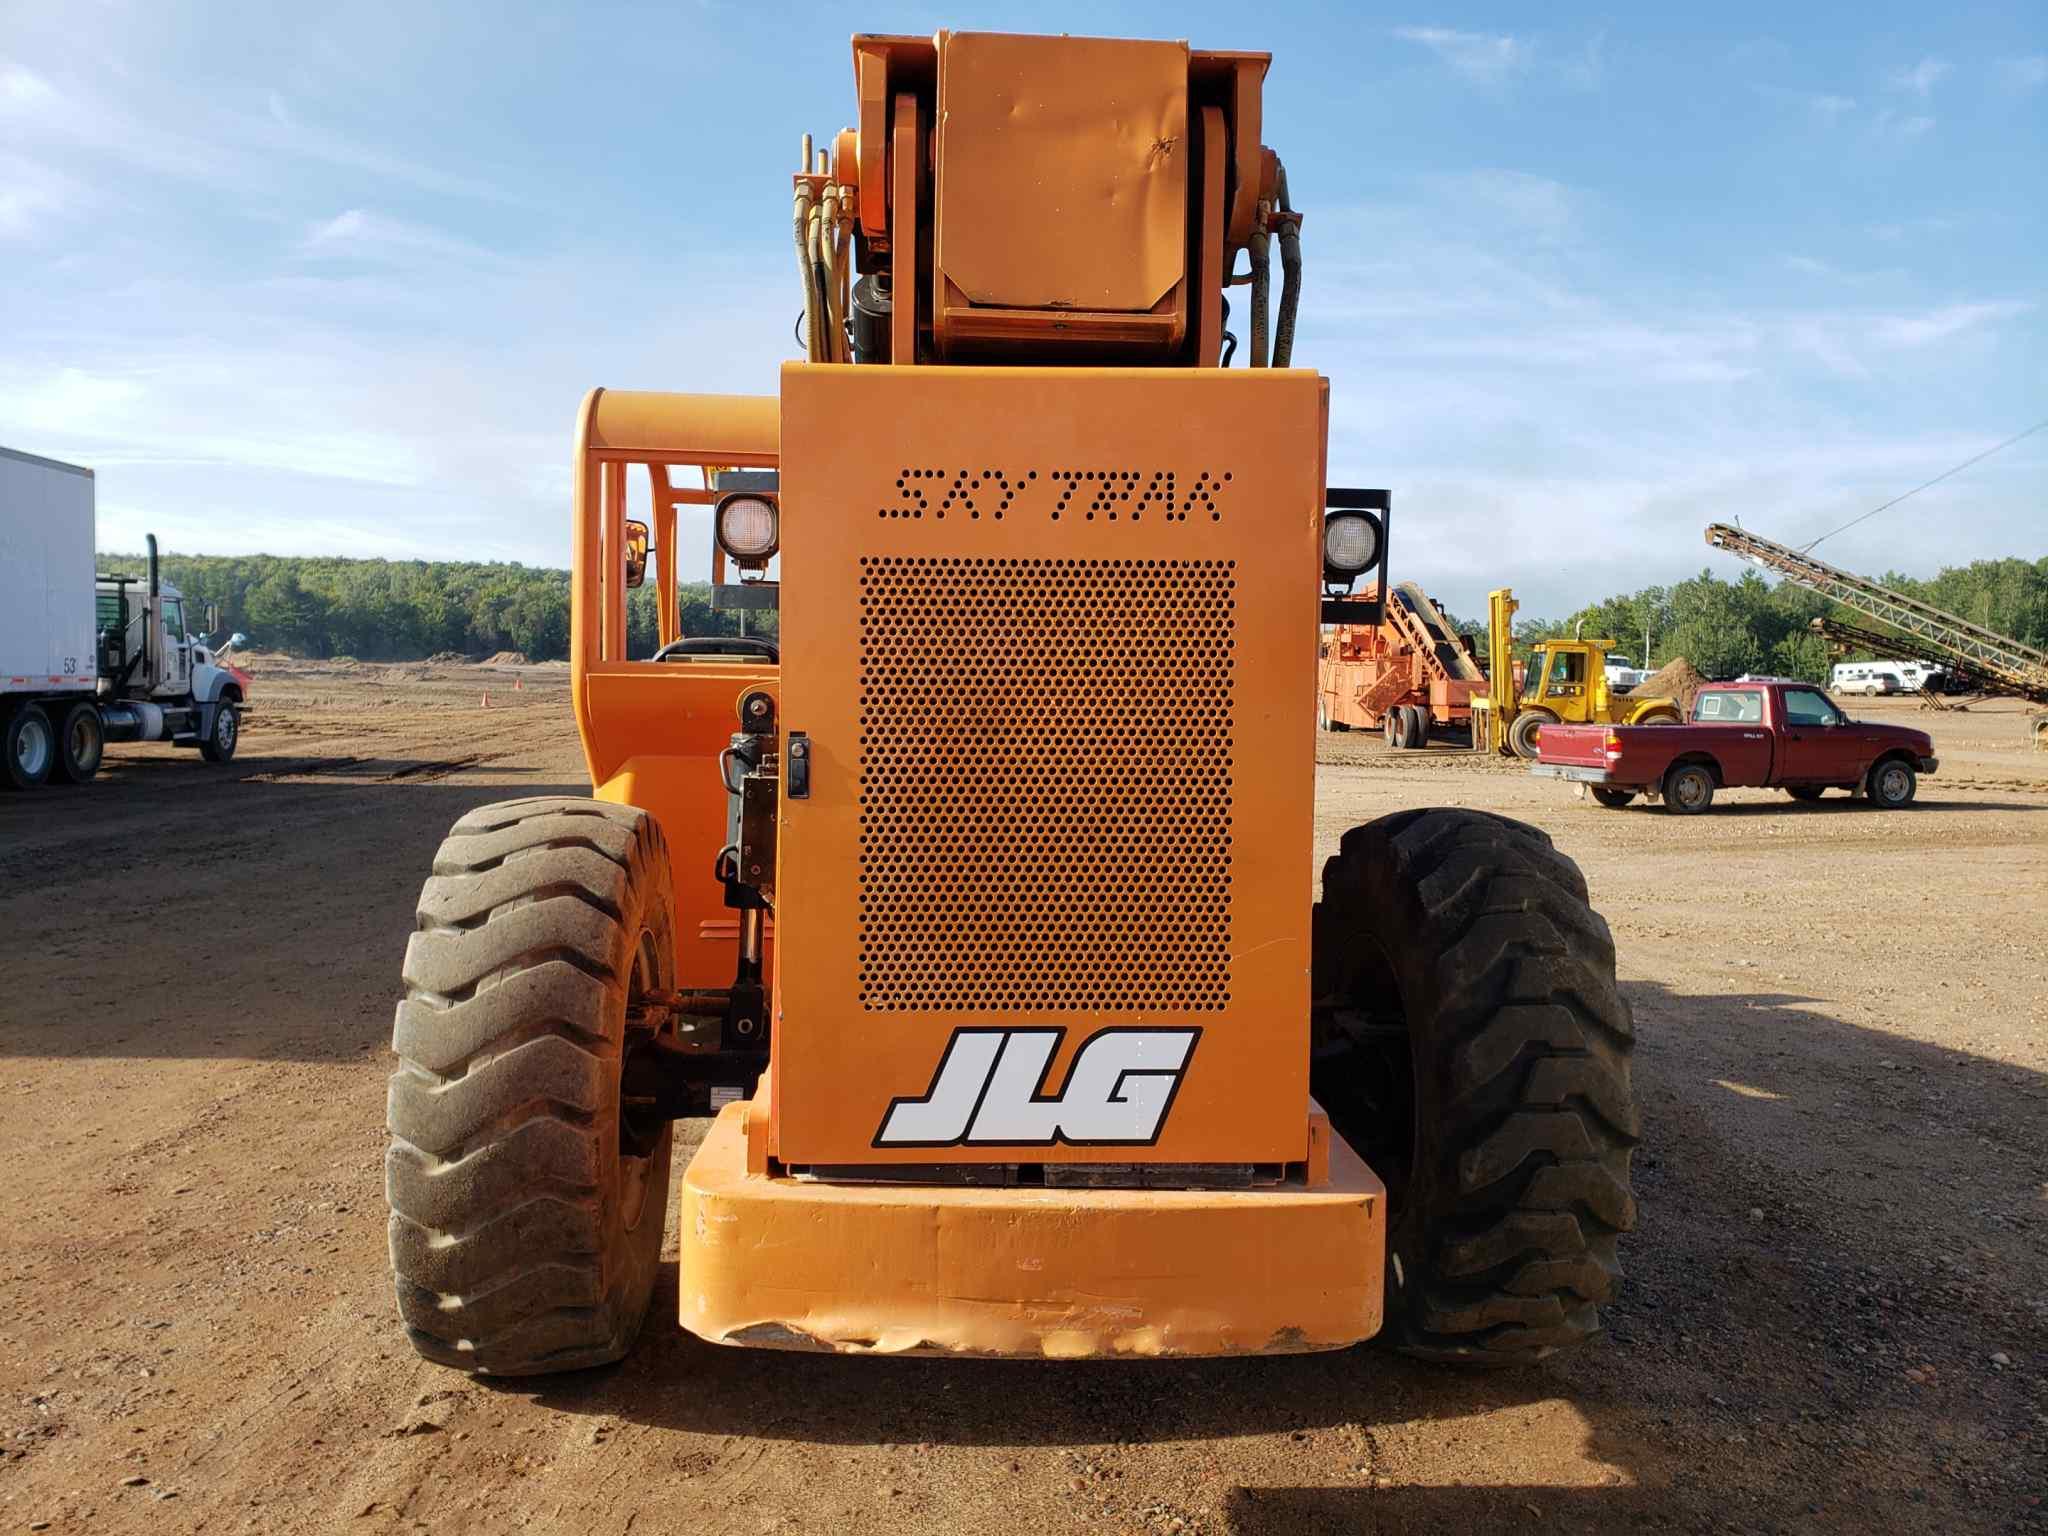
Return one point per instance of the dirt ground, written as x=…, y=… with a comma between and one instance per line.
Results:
x=1835, y=1316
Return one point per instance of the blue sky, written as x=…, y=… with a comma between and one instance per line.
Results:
x=331, y=278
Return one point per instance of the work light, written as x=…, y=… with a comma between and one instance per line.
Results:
x=748, y=527
x=1351, y=544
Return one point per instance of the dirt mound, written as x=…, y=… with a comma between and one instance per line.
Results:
x=507, y=659
x=1677, y=679
x=446, y=658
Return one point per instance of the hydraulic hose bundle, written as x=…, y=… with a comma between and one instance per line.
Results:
x=1275, y=215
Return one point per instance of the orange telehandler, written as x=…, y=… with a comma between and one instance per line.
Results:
x=1047, y=1051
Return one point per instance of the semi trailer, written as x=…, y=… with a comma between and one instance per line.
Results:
x=87, y=659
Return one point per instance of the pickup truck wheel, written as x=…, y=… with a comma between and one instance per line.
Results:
x=28, y=747
x=526, y=1200
x=1528, y=726
x=1806, y=792
x=81, y=743
x=1613, y=799
x=1893, y=783
x=1472, y=1045
x=1688, y=788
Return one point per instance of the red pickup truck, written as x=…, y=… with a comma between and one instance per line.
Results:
x=1775, y=733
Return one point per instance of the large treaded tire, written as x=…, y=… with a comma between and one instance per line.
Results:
x=1509, y=1181
x=1528, y=727
x=526, y=1214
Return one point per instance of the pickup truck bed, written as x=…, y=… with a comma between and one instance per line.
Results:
x=1783, y=735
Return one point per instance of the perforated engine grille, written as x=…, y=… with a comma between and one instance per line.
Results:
x=1045, y=759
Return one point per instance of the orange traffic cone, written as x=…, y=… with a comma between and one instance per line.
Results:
x=518, y=686
x=487, y=700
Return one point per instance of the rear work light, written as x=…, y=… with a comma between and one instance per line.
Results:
x=748, y=526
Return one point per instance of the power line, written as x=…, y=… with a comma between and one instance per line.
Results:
x=2037, y=426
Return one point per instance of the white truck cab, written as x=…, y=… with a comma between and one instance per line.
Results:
x=86, y=659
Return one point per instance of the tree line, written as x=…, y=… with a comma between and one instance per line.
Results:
x=1727, y=628
x=403, y=610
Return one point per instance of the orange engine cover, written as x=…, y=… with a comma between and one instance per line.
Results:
x=1049, y=636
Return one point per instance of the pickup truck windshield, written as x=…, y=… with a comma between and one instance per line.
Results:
x=1726, y=706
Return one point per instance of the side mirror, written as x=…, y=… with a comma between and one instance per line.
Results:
x=636, y=553
x=212, y=617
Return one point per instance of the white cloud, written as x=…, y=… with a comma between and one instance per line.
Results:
x=1921, y=79
x=32, y=197
x=22, y=91
x=1919, y=330
x=1483, y=57
x=362, y=234
x=1900, y=125
x=1809, y=265
x=1535, y=205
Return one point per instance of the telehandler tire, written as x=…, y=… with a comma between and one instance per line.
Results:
x=1472, y=1045
x=1523, y=733
x=526, y=1204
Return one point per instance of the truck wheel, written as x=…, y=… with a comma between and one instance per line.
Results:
x=526, y=1203
x=1613, y=799
x=1688, y=788
x=1397, y=726
x=1893, y=783
x=225, y=735
x=1523, y=733
x=1472, y=1045
x=1418, y=727
x=29, y=745
x=1389, y=724
x=81, y=743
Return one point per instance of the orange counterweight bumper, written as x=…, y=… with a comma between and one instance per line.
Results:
x=1061, y=1273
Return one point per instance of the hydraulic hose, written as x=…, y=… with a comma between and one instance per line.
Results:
x=1290, y=273
x=802, y=220
x=832, y=260
x=1262, y=281
x=820, y=342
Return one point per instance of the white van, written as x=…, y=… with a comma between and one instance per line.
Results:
x=1867, y=677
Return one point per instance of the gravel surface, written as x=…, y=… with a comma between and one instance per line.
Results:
x=1835, y=1316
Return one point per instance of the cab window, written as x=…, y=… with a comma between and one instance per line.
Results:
x=174, y=620
x=1809, y=706
x=1728, y=707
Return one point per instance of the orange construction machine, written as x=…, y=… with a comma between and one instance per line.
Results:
x=1408, y=675
x=1047, y=1051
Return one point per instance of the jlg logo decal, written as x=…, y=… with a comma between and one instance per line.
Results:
x=989, y=1090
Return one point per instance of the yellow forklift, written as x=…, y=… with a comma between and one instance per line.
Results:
x=1566, y=680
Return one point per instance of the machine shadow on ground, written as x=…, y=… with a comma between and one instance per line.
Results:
x=1753, y=1303
x=293, y=897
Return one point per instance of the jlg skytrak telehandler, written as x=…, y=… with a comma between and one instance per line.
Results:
x=1048, y=1051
